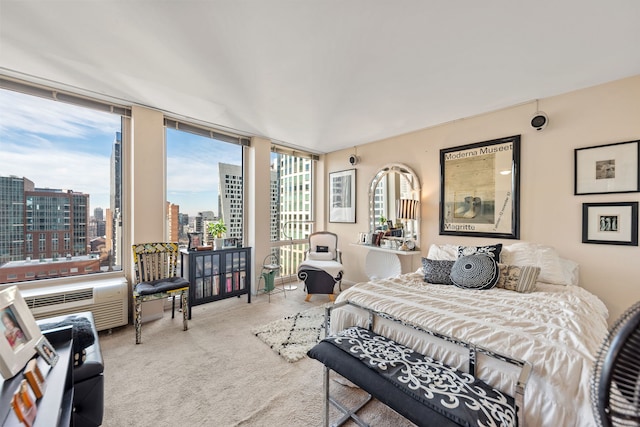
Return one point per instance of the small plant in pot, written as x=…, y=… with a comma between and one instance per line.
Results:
x=217, y=229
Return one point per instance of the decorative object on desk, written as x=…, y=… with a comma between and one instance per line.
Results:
x=24, y=405
x=19, y=330
x=610, y=223
x=204, y=248
x=342, y=203
x=195, y=240
x=610, y=168
x=217, y=229
x=46, y=351
x=292, y=336
x=480, y=189
x=35, y=379
x=407, y=211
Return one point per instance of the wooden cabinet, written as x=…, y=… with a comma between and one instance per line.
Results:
x=215, y=275
x=55, y=408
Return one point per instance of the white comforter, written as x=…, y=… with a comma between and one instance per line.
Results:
x=558, y=329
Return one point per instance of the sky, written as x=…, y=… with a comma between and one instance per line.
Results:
x=78, y=142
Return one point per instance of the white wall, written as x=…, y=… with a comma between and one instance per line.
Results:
x=549, y=212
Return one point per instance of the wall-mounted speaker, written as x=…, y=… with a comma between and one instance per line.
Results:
x=353, y=159
x=539, y=120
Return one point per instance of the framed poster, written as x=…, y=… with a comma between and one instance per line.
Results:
x=342, y=194
x=610, y=223
x=610, y=168
x=480, y=189
x=19, y=332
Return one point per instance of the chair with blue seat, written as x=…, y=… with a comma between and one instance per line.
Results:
x=270, y=268
x=156, y=267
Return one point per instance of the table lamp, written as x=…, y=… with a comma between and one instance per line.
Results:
x=407, y=211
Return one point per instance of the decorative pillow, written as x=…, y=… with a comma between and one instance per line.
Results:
x=443, y=252
x=320, y=256
x=475, y=272
x=491, y=250
x=437, y=271
x=545, y=257
x=518, y=278
x=322, y=248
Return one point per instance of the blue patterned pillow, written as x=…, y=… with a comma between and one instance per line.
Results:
x=437, y=271
x=475, y=272
x=490, y=250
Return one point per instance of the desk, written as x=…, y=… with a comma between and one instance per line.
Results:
x=55, y=408
x=381, y=262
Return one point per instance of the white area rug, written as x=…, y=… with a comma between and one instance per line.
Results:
x=292, y=336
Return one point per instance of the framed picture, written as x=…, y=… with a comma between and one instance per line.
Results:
x=342, y=205
x=480, y=189
x=47, y=351
x=230, y=242
x=195, y=240
x=19, y=331
x=610, y=168
x=610, y=223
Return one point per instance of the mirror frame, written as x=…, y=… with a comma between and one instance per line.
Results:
x=403, y=170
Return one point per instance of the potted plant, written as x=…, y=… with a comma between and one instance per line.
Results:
x=217, y=229
x=383, y=222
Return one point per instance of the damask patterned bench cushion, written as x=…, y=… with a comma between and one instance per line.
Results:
x=461, y=398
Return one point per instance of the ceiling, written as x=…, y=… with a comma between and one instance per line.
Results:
x=321, y=74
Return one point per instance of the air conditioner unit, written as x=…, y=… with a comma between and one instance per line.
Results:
x=107, y=299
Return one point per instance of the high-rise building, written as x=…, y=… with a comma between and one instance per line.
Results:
x=41, y=223
x=173, y=222
x=12, y=230
x=230, y=198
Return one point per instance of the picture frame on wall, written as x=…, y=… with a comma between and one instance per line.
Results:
x=610, y=223
x=19, y=333
x=342, y=194
x=609, y=168
x=480, y=189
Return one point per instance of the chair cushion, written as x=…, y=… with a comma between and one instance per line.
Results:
x=321, y=256
x=161, y=285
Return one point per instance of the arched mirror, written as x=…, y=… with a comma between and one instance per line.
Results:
x=394, y=196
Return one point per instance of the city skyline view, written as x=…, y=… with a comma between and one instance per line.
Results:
x=79, y=142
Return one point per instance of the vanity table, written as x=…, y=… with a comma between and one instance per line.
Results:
x=394, y=194
x=382, y=263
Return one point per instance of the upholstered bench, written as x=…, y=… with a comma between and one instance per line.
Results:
x=423, y=390
x=88, y=377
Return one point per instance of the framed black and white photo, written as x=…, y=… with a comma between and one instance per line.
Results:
x=480, y=189
x=610, y=168
x=195, y=240
x=342, y=193
x=610, y=223
x=19, y=331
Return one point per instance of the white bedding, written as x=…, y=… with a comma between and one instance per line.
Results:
x=558, y=329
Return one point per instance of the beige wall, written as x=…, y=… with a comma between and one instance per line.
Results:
x=549, y=212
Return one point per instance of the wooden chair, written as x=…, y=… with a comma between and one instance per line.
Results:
x=155, y=267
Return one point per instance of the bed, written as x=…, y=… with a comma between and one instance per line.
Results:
x=555, y=325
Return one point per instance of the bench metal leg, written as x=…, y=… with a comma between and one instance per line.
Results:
x=347, y=413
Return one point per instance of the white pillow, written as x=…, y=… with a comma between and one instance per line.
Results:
x=321, y=256
x=571, y=271
x=545, y=257
x=443, y=252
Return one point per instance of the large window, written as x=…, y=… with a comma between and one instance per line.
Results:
x=291, y=207
x=204, y=184
x=60, y=182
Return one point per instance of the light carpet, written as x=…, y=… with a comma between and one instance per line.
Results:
x=292, y=336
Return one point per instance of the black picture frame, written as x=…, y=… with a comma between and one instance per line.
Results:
x=342, y=196
x=607, y=168
x=480, y=189
x=610, y=223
